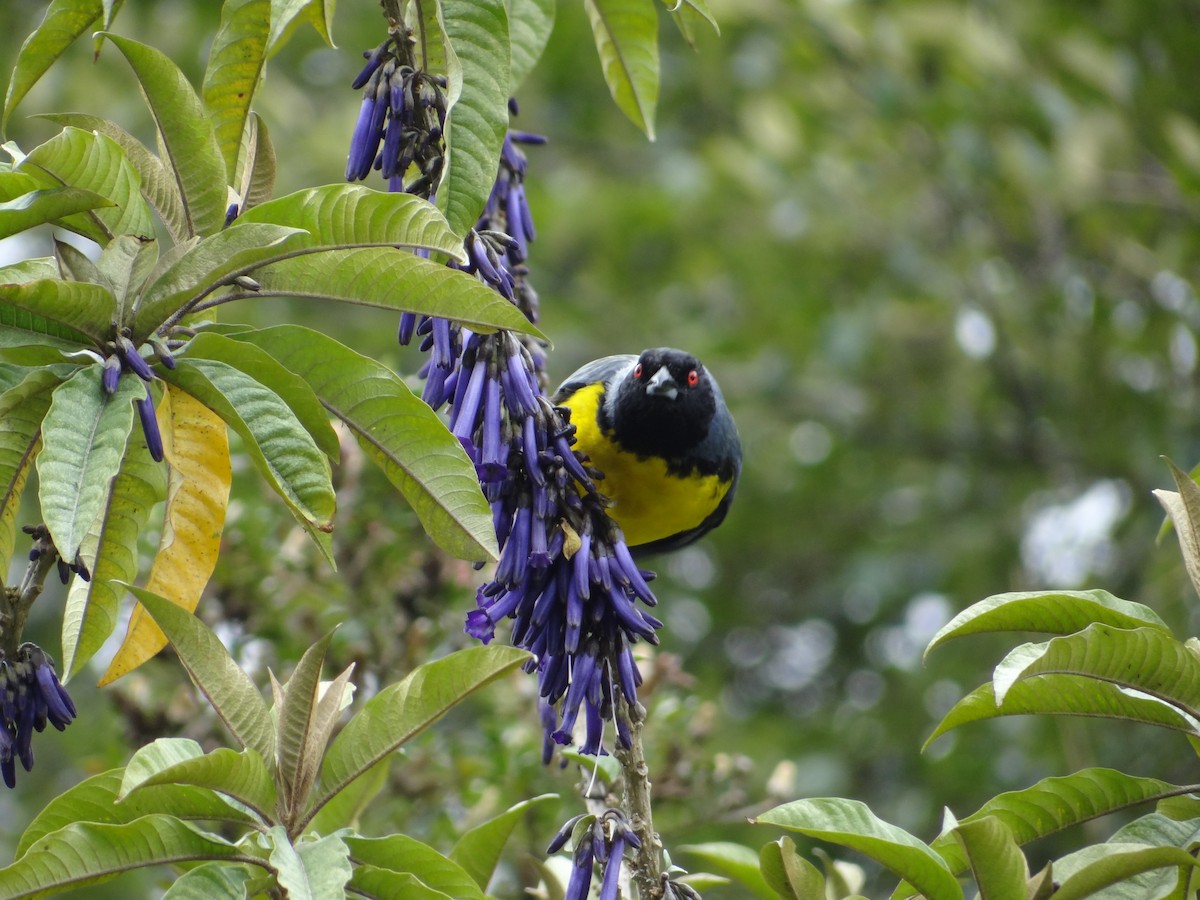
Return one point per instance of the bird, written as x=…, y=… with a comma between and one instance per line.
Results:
x=656, y=426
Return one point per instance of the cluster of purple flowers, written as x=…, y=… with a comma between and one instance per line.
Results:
x=30, y=696
x=599, y=840
x=124, y=357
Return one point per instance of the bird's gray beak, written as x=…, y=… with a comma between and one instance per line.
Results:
x=661, y=384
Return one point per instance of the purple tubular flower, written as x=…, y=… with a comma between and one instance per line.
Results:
x=111, y=375
x=408, y=324
x=581, y=872
x=612, y=868
x=494, y=463
x=374, y=61
x=133, y=360
x=145, y=408
x=563, y=834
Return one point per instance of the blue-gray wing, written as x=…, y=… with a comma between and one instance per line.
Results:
x=606, y=369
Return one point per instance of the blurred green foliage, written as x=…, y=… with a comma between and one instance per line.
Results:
x=942, y=258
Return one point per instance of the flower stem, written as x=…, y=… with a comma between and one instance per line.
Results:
x=647, y=867
x=17, y=601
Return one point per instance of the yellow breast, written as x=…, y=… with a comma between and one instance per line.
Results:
x=649, y=503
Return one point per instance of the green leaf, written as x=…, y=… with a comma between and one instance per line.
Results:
x=211, y=881
x=230, y=691
x=1108, y=864
x=478, y=850
x=310, y=870
x=258, y=170
x=84, y=853
x=372, y=881
x=158, y=186
x=851, y=824
x=996, y=862
x=83, y=436
x=75, y=306
x=22, y=408
x=93, y=162
x=110, y=551
x=1144, y=659
x=1061, y=695
x=353, y=215
x=403, y=710
x=74, y=264
x=400, y=853
x=124, y=265
x=286, y=14
x=235, y=67
x=788, y=873
x=27, y=270
x=243, y=776
x=157, y=756
x=94, y=800
x=279, y=445
x=689, y=15
x=207, y=266
x=193, y=155
x=1184, y=510
x=626, y=35
x=736, y=861
x=264, y=368
x=1052, y=612
x=396, y=280
x=298, y=744
x=529, y=25
x=399, y=432
x=64, y=21
x=1057, y=803
x=343, y=809
x=40, y=207
x=476, y=123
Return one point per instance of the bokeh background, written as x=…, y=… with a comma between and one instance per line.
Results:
x=941, y=257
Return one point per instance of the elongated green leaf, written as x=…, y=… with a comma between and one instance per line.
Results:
x=311, y=870
x=110, y=551
x=77, y=306
x=478, y=850
x=402, y=710
x=373, y=881
x=689, y=15
x=11, y=376
x=477, y=121
x=287, y=14
x=1184, y=509
x=1062, y=695
x=529, y=25
x=1109, y=864
x=211, y=881
x=393, y=279
x=350, y=215
x=155, y=757
x=206, y=265
x=398, y=431
x=1057, y=803
x=22, y=408
x=193, y=154
x=264, y=368
x=280, y=446
x=258, y=176
x=93, y=162
x=40, y=207
x=83, y=435
x=1144, y=659
x=735, y=861
x=626, y=35
x=996, y=862
x=230, y=691
x=401, y=853
x=157, y=184
x=295, y=737
x=64, y=21
x=242, y=776
x=27, y=270
x=74, y=264
x=95, y=800
x=851, y=824
x=124, y=265
x=1051, y=612
x=235, y=66
x=789, y=874
x=344, y=808
x=82, y=853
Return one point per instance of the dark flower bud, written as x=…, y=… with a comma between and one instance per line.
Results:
x=162, y=352
x=563, y=834
x=112, y=374
x=145, y=408
x=133, y=360
x=231, y=213
x=374, y=59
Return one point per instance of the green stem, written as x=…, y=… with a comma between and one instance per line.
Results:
x=17, y=601
x=647, y=867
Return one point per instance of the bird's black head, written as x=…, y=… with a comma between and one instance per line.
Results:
x=665, y=404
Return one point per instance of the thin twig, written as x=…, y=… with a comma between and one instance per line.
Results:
x=647, y=867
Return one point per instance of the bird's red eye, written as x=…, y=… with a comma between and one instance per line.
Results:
x=637, y=371
x=693, y=378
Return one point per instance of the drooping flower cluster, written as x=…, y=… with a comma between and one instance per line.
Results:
x=565, y=577
x=30, y=696
x=598, y=840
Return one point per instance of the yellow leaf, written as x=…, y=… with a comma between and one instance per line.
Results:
x=196, y=448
